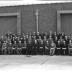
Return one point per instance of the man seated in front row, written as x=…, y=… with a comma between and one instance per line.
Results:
x=52, y=48
x=70, y=48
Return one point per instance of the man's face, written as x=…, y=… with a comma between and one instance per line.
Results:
x=34, y=33
x=15, y=42
x=20, y=42
x=47, y=42
x=70, y=41
x=2, y=37
x=66, y=37
x=39, y=37
x=58, y=41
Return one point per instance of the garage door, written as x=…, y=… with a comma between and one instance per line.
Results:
x=8, y=23
x=66, y=23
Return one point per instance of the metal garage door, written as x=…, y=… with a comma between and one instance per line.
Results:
x=8, y=23
x=66, y=23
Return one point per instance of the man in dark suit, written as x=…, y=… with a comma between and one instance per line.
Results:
x=40, y=46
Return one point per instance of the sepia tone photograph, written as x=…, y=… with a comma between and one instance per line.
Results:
x=35, y=34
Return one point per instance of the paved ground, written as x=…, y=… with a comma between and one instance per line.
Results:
x=53, y=62
x=18, y=59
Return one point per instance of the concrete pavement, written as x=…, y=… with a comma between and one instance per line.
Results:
x=49, y=62
x=39, y=59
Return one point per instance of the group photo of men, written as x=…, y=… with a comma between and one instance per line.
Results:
x=32, y=43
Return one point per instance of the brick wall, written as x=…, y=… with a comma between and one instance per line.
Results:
x=47, y=15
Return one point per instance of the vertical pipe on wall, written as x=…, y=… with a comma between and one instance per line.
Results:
x=58, y=22
x=18, y=23
x=37, y=19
